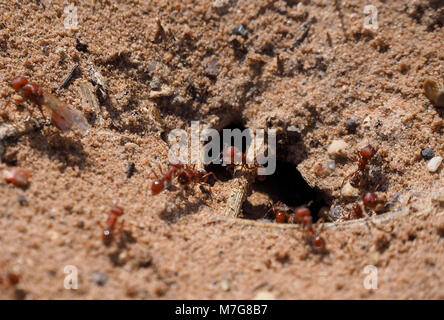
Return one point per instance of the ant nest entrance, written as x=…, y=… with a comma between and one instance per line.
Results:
x=254, y=198
x=287, y=186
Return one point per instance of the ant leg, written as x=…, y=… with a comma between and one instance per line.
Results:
x=41, y=110
x=351, y=174
x=120, y=230
x=271, y=208
x=210, y=174
x=31, y=113
x=208, y=189
x=155, y=174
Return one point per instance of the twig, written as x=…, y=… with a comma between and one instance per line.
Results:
x=97, y=78
x=302, y=34
x=88, y=97
x=239, y=193
x=330, y=225
x=68, y=77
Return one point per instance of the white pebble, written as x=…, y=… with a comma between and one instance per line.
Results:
x=349, y=191
x=337, y=147
x=434, y=164
x=264, y=295
x=438, y=198
x=220, y=3
x=331, y=164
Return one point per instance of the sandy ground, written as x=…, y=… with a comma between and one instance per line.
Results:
x=306, y=64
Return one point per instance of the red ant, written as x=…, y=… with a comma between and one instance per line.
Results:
x=363, y=157
x=162, y=183
x=108, y=232
x=356, y=214
x=185, y=175
x=63, y=116
x=232, y=156
x=281, y=212
x=302, y=216
x=369, y=200
x=10, y=279
x=17, y=176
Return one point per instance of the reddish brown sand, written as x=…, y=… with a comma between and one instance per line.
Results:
x=308, y=64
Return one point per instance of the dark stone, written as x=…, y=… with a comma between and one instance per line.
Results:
x=240, y=31
x=427, y=153
x=212, y=69
x=314, y=143
x=99, y=278
x=22, y=200
x=155, y=84
x=351, y=124
x=130, y=168
x=81, y=46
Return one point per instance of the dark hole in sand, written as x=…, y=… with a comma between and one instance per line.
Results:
x=286, y=185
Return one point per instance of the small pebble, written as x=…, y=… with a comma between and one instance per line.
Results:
x=427, y=153
x=240, y=31
x=225, y=285
x=130, y=168
x=22, y=200
x=155, y=84
x=434, y=91
x=314, y=143
x=221, y=6
x=264, y=295
x=337, y=148
x=434, y=164
x=99, y=278
x=130, y=146
x=349, y=191
x=212, y=69
x=438, y=198
x=366, y=123
x=164, y=92
x=351, y=124
x=331, y=164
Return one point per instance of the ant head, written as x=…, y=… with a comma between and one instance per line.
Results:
x=368, y=152
x=32, y=90
x=232, y=155
x=118, y=211
x=18, y=82
x=302, y=212
x=157, y=187
x=282, y=207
